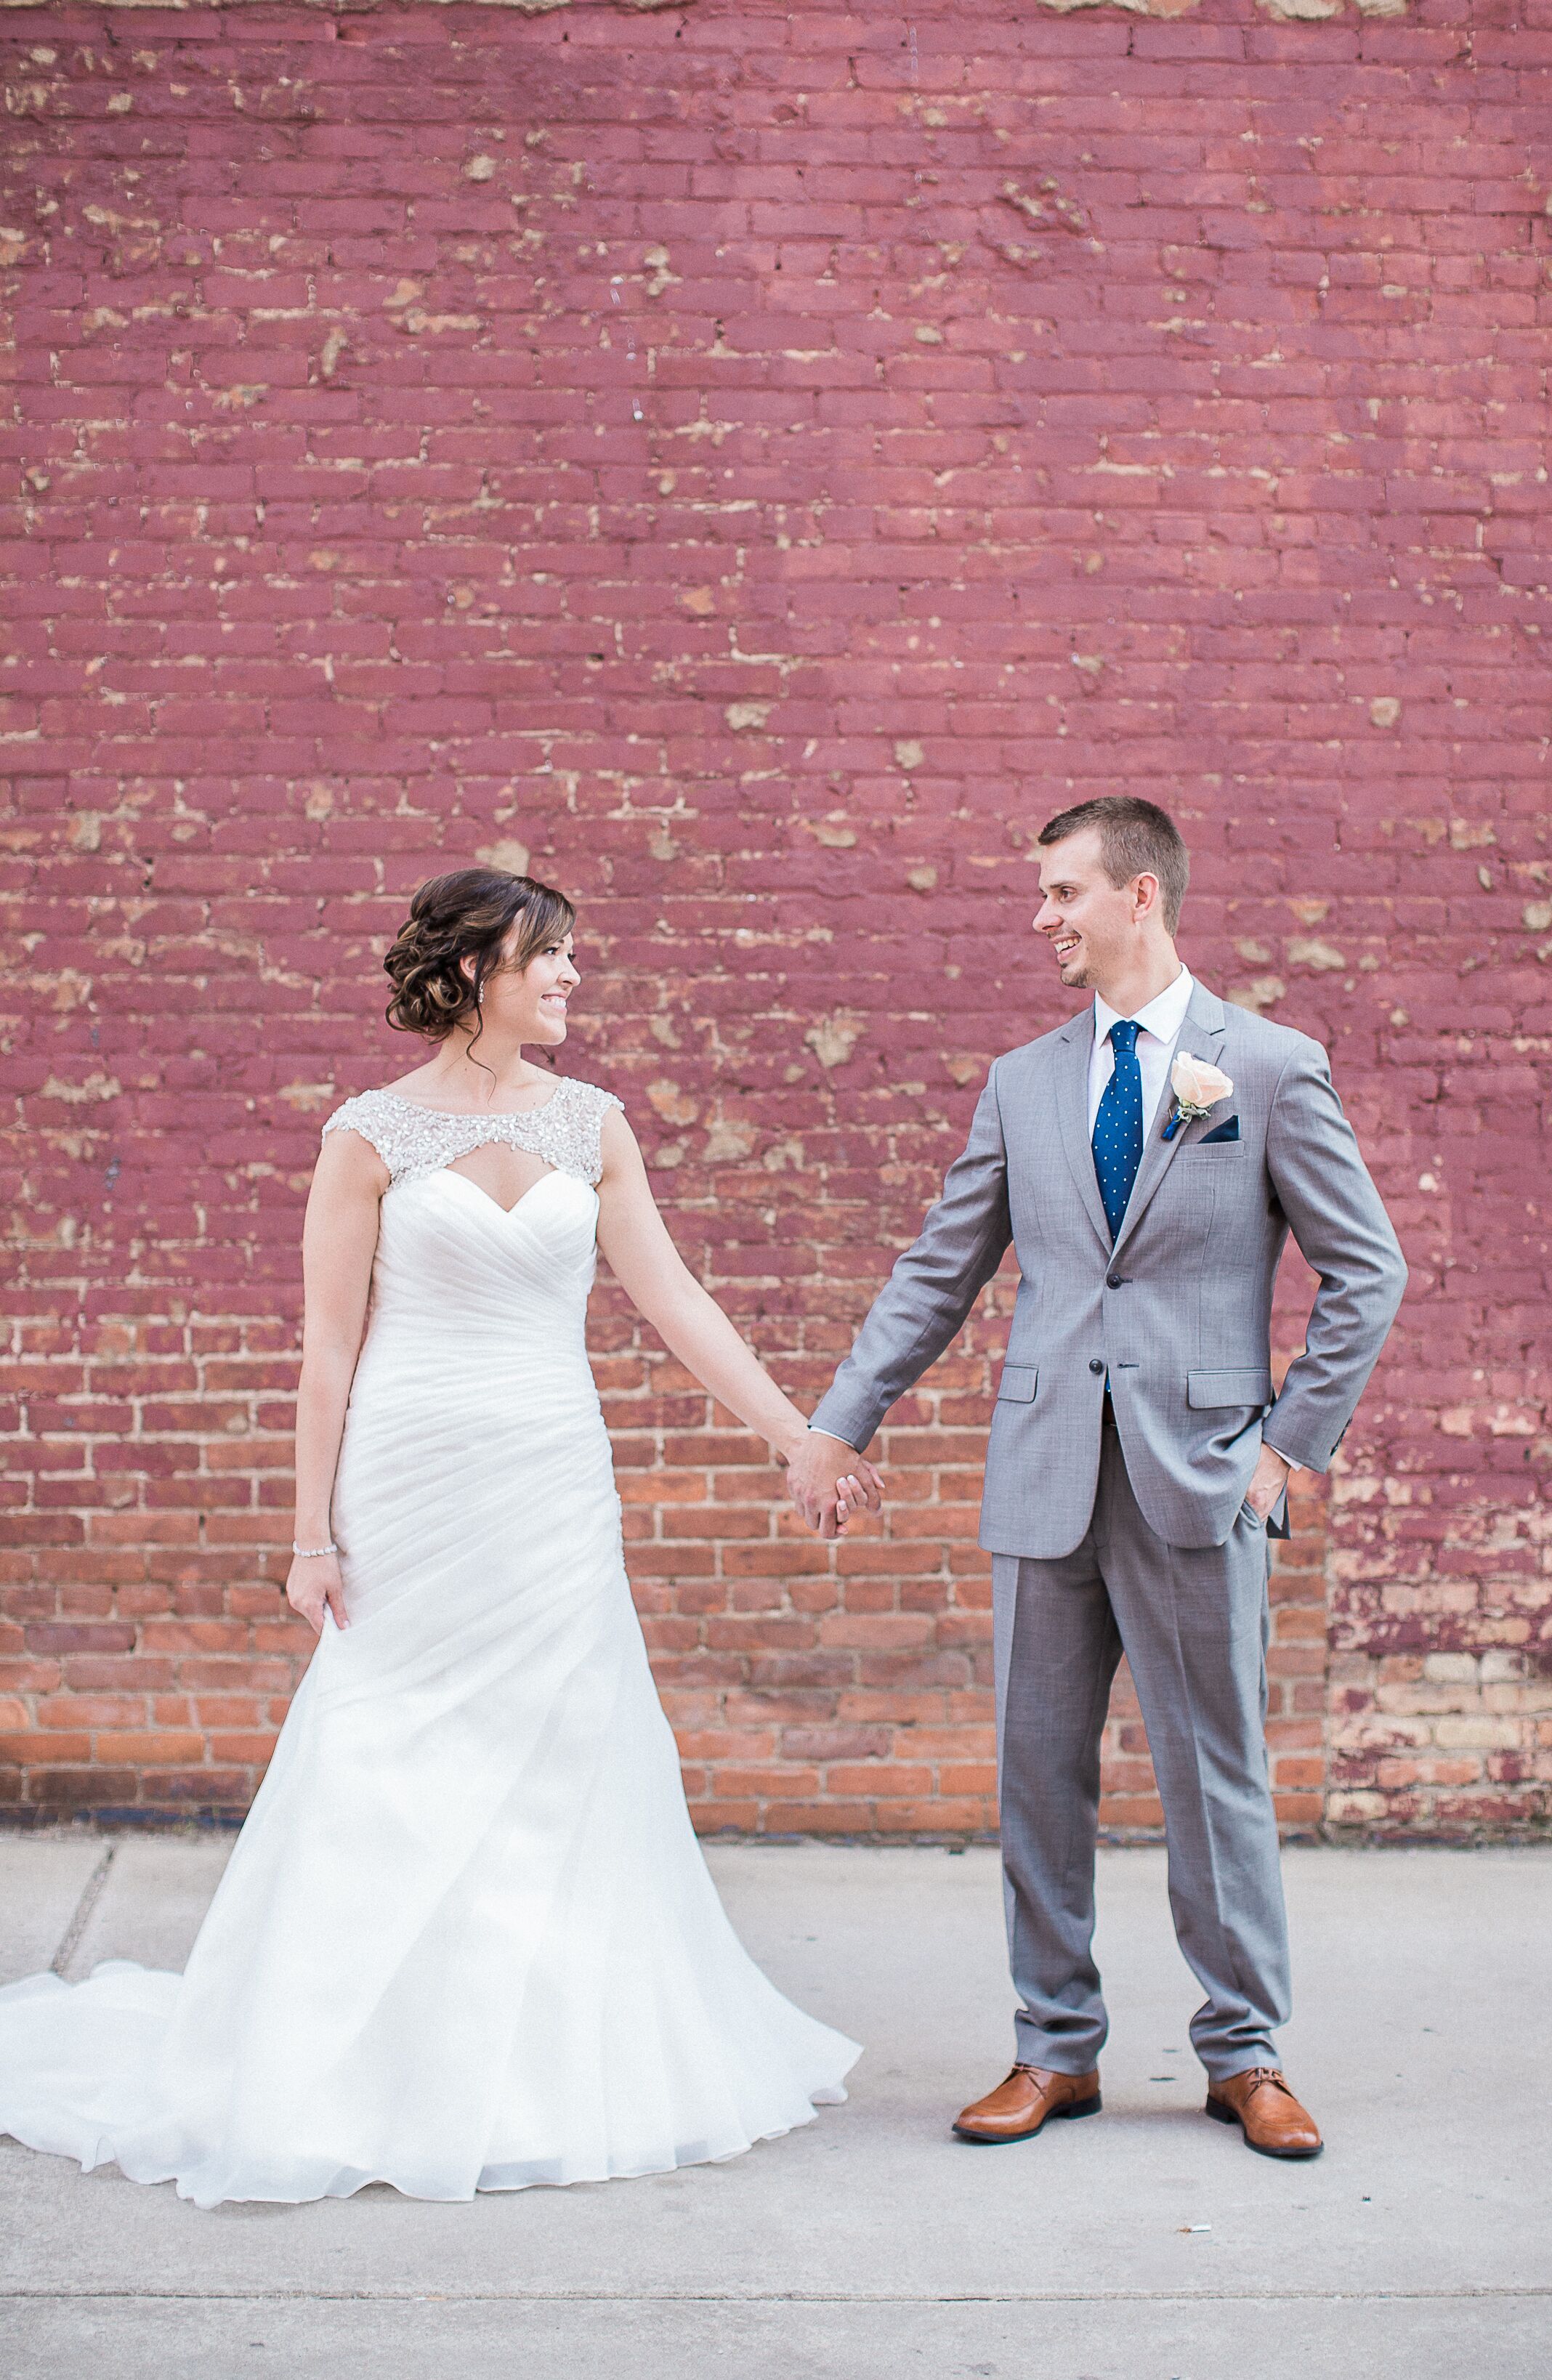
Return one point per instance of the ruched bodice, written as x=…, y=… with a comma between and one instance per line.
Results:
x=474, y=1369
x=450, y=1262
x=467, y=1939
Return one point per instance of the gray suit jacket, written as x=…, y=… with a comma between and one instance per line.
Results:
x=1177, y=1313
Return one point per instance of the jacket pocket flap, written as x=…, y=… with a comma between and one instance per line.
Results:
x=1241, y=1388
x=1017, y=1384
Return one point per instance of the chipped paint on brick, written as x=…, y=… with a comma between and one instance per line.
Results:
x=602, y=512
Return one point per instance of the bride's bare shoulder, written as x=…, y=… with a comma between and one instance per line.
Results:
x=614, y=1127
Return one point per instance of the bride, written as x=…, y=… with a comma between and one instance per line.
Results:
x=467, y=1939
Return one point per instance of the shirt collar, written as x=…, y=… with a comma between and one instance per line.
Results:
x=1163, y=1015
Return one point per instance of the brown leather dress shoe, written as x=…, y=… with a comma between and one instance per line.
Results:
x=1260, y=2102
x=1028, y=2099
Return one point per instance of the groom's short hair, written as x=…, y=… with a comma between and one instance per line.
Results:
x=1136, y=838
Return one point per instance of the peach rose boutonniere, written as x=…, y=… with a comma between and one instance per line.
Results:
x=1197, y=1087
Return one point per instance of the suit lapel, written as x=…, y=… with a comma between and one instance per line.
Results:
x=1075, y=1048
x=1201, y=1035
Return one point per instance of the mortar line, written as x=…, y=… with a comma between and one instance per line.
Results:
x=90, y=1894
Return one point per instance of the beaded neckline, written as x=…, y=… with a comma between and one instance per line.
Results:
x=414, y=1141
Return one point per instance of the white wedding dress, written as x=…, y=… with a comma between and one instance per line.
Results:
x=467, y=1939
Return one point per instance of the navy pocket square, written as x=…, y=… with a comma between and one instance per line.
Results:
x=1230, y=1131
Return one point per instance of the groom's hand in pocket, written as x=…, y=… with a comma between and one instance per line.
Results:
x=1268, y=1481
x=829, y=1482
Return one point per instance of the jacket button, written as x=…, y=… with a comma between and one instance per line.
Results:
x=1113, y=1280
x=1097, y=1363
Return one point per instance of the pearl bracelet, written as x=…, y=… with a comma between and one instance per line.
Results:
x=313, y=1553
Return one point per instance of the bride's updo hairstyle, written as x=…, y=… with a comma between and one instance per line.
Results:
x=467, y=914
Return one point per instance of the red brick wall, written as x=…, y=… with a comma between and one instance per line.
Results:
x=757, y=461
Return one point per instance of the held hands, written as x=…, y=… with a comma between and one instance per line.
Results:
x=313, y=1584
x=829, y=1483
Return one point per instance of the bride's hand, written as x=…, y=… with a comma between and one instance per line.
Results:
x=857, y=1493
x=313, y=1584
x=827, y=1480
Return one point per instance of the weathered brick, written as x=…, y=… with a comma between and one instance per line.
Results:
x=765, y=524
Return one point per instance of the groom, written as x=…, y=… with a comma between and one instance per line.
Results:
x=1138, y=1456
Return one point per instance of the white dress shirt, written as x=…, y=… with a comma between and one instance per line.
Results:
x=1161, y=1022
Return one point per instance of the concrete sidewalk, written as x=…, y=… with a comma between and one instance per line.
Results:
x=1148, y=2245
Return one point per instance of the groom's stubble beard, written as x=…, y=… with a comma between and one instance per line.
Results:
x=1076, y=973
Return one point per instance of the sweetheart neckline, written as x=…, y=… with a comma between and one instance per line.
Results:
x=551, y=1173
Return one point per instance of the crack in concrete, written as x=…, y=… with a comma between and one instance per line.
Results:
x=92, y=1892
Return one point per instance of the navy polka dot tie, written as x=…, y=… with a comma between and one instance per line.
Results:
x=1118, y=1127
